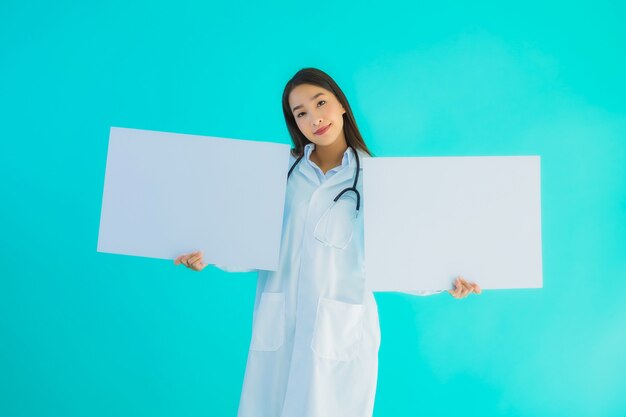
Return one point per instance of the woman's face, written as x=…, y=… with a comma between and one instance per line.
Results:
x=316, y=108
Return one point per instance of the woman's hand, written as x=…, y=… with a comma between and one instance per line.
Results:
x=464, y=288
x=192, y=261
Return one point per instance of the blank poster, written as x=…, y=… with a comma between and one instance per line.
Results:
x=166, y=194
x=429, y=219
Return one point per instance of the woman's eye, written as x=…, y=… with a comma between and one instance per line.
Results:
x=320, y=102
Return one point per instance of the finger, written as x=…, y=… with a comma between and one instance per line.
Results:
x=464, y=288
x=185, y=260
x=462, y=281
x=466, y=285
x=459, y=287
x=453, y=291
x=475, y=288
x=197, y=263
x=194, y=259
x=199, y=266
x=472, y=288
x=182, y=258
x=457, y=292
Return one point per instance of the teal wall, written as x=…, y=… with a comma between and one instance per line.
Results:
x=90, y=334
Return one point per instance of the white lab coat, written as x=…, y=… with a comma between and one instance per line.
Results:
x=315, y=335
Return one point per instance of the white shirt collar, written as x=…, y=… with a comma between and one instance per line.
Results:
x=348, y=157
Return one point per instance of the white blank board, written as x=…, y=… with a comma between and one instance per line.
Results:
x=166, y=194
x=428, y=220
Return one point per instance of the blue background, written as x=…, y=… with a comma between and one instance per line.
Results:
x=91, y=334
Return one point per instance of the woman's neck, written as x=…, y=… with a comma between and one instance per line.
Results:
x=328, y=157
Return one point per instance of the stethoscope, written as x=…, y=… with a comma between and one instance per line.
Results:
x=353, y=188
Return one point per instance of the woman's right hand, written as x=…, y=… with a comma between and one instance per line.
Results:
x=191, y=260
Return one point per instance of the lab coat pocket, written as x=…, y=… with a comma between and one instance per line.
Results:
x=338, y=330
x=336, y=225
x=268, y=329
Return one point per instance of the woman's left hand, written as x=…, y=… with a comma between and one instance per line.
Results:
x=463, y=288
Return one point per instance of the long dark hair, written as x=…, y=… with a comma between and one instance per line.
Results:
x=319, y=78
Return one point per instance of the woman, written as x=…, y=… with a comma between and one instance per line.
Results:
x=315, y=336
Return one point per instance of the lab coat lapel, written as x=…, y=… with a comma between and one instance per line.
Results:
x=308, y=171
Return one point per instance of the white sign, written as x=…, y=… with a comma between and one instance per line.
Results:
x=428, y=220
x=166, y=194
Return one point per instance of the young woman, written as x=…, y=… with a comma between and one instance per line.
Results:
x=315, y=336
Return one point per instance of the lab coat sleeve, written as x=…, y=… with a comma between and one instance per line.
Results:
x=423, y=293
x=229, y=269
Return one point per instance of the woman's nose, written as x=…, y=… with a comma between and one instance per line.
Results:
x=317, y=120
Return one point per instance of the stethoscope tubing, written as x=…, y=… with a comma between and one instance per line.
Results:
x=353, y=188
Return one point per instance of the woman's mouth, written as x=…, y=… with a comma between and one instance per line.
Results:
x=322, y=130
